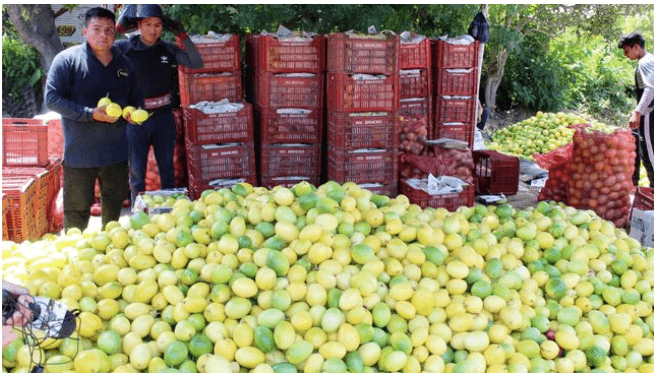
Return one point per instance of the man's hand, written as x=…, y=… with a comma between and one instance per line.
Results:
x=100, y=115
x=8, y=335
x=129, y=120
x=634, y=122
x=23, y=315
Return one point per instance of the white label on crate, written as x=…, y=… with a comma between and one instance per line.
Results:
x=219, y=146
x=642, y=227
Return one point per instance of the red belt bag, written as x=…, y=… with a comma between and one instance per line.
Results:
x=153, y=103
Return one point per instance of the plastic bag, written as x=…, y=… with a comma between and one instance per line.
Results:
x=478, y=28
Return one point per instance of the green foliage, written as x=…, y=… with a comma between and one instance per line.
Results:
x=600, y=79
x=21, y=67
x=533, y=79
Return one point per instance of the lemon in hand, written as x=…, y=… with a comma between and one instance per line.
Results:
x=139, y=116
x=128, y=110
x=114, y=110
x=104, y=101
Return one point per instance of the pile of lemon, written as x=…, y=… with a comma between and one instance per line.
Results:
x=338, y=279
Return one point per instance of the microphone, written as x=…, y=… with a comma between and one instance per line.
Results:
x=48, y=315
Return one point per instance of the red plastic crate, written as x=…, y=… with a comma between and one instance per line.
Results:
x=24, y=142
x=276, y=91
x=290, y=160
x=21, y=196
x=362, y=55
x=453, y=82
x=196, y=187
x=268, y=53
x=362, y=167
x=644, y=198
x=496, y=173
x=414, y=86
x=201, y=128
x=449, y=110
x=208, y=162
x=270, y=182
x=415, y=55
x=218, y=56
x=464, y=132
x=451, y=202
x=289, y=128
x=446, y=55
x=351, y=131
x=344, y=93
x=389, y=190
x=196, y=87
x=45, y=185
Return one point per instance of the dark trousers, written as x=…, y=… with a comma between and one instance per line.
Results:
x=79, y=185
x=158, y=131
x=642, y=149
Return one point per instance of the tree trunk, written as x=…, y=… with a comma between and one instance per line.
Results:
x=494, y=76
x=36, y=26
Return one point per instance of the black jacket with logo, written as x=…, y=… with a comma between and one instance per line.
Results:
x=154, y=64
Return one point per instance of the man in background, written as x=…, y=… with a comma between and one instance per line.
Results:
x=642, y=119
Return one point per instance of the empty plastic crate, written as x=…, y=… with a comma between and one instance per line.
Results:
x=21, y=195
x=24, y=142
x=496, y=173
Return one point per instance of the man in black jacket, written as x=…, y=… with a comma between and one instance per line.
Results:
x=154, y=59
x=95, y=144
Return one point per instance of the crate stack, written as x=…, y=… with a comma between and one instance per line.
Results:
x=363, y=102
x=219, y=140
x=415, y=84
x=287, y=81
x=30, y=179
x=455, y=67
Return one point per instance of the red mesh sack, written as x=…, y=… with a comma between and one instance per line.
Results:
x=601, y=172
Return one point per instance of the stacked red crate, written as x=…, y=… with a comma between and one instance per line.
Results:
x=416, y=86
x=30, y=180
x=456, y=73
x=286, y=77
x=363, y=99
x=218, y=140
